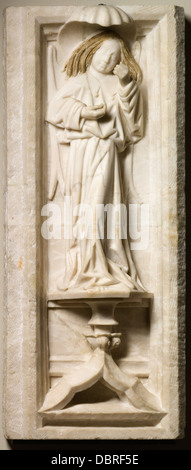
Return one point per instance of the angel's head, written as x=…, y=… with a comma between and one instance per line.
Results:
x=103, y=51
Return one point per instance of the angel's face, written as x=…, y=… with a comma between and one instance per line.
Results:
x=107, y=56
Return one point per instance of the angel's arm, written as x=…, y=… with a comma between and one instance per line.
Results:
x=131, y=110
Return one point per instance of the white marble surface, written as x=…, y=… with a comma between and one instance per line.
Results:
x=156, y=178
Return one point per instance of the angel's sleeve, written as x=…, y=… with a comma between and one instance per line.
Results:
x=65, y=112
x=131, y=111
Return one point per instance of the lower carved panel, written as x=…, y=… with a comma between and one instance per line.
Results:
x=93, y=388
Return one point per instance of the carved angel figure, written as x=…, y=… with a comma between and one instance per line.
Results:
x=95, y=116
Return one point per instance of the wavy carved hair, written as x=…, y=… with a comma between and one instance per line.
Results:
x=82, y=56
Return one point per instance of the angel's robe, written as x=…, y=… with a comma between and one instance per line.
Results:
x=88, y=170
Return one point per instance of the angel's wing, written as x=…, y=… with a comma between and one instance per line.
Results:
x=136, y=51
x=55, y=72
x=55, y=79
x=131, y=189
x=56, y=174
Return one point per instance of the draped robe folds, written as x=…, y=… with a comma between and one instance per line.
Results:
x=88, y=171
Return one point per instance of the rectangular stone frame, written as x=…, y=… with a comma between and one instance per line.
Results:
x=26, y=372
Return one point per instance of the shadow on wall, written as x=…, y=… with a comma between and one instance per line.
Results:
x=182, y=444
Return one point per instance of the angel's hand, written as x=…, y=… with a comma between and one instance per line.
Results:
x=122, y=72
x=93, y=112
